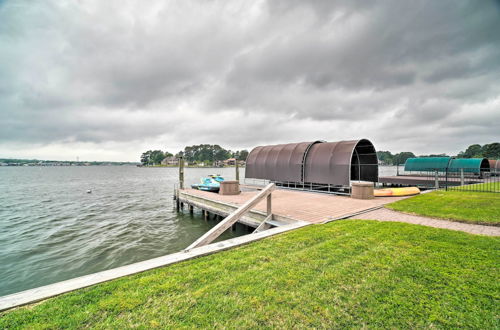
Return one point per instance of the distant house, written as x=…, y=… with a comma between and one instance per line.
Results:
x=170, y=161
x=230, y=162
x=218, y=163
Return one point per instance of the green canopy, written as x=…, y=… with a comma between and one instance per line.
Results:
x=470, y=165
x=424, y=164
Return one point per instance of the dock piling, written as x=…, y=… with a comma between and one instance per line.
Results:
x=181, y=172
x=237, y=169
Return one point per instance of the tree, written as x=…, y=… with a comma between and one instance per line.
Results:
x=205, y=153
x=434, y=155
x=156, y=157
x=491, y=151
x=401, y=157
x=386, y=157
x=146, y=157
x=243, y=154
x=474, y=150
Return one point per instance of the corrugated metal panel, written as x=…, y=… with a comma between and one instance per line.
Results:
x=470, y=165
x=427, y=164
x=494, y=164
x=329, y=163
x=281, y=162
x=335, y=163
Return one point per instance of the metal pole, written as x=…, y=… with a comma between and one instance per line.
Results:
x=436, y=180
x=359, y=165
x=462, y=177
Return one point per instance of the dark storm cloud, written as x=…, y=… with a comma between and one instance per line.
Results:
x=265, y=72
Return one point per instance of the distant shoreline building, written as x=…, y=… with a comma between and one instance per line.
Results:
x=170, y=161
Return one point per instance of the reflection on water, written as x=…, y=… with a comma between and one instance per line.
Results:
x=51, y=229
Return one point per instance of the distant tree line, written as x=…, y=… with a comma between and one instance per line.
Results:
x=210, y=153
x=387, y=158
x=20, y=162
x=490, y=151
x=202, y=153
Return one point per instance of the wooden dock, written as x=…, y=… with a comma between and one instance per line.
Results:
x=287, y=206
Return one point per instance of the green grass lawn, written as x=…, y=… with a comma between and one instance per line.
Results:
x=464, y=206
x=488, y=186
x=349, y=273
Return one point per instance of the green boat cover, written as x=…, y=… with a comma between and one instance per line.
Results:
x=470, y=165
x=427, y=164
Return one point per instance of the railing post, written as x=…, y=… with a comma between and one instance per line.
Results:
x=269, y=204
x=231, y=219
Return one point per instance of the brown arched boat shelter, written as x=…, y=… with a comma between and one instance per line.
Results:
x=317, y=165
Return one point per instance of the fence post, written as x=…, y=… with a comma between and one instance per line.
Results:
x=446, y=180
x=462, y=177
x=436, y=180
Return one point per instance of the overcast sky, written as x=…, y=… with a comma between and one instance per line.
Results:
x=107, y=80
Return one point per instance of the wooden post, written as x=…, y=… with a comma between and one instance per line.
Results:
x=177, y=203
x=269, y=205
x=221, y=227
x=237, y=169
x=191, y=209
x=181, y=172
x=205, y=215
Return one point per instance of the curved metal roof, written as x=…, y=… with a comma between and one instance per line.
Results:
x=334, y=162
x=494, y=164
x=282, y=162
x=474, y=165
x=427, y=164
x=318, y=162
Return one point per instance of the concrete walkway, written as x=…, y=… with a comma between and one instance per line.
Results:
x=384, y=214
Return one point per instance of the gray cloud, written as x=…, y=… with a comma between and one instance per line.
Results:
x=119, y=73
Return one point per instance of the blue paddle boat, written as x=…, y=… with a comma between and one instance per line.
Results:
x=208, y=184
x=216, y=177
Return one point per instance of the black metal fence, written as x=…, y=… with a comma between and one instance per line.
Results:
x=457, y=179
x=464, y=179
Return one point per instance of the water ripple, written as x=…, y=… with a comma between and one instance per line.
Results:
x=51, y=229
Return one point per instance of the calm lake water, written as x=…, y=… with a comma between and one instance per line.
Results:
x=52, y=230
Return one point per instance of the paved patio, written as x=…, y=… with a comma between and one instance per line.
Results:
x=302, y=205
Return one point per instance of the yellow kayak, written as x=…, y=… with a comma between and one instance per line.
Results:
x=391, y=192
